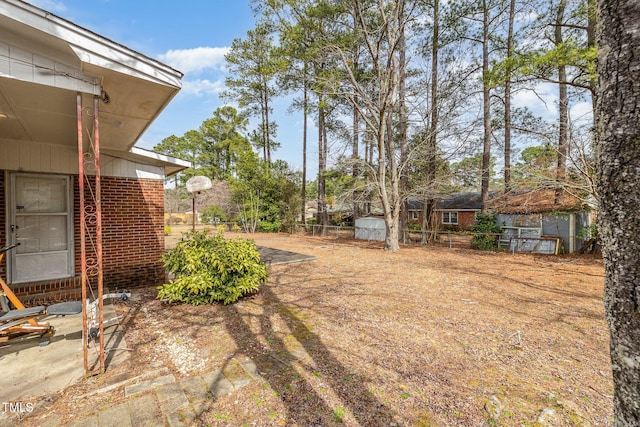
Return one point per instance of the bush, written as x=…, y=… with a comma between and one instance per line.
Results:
x=412, y=226
x=211, y=269
x=268, y=227
x=167, y=230
x=337, y=219
x=213, y=214
x=485, y=233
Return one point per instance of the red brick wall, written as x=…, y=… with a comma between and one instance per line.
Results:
x=132, y=232
x=466, y=220
x=132, y=239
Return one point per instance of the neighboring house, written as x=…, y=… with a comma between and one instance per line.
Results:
x=310, y=210
x=53, y=74
x=533, y=223
x=530, y=220
x=452, y=212
x=339, y=214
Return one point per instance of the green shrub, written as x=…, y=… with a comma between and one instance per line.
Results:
x=167, y=230
x=211, y=269
x=337, y=219
x=485, y=233
x=268, y=227
x=213, y=214
x=412, y=226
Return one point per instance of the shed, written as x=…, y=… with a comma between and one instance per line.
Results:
x=531, y=216
x=371, y=229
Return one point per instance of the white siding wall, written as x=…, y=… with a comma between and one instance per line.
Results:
x=28, y=156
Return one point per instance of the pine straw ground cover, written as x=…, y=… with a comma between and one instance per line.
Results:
x=423, y=337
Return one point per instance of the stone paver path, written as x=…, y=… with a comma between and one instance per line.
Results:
x=165, y=401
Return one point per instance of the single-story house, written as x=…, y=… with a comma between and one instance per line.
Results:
x=532, y=222
x=64, y=92
x=455, y=211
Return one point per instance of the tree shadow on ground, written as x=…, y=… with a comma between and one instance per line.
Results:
x=301, y=369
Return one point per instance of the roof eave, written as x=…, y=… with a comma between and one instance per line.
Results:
x=91, y=47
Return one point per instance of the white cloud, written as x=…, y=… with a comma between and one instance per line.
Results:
x=202, y=87
x=582, y=114
x=542, y=101
x=195, y=60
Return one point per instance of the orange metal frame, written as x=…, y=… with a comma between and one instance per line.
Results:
x=90, y=233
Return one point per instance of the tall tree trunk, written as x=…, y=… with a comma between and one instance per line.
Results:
x=428, y=226
x=355, y=172
x=267, y=131
x=305, y=114
x=591, y=42
x=391, y=206
x=369, y=159
x=325, y=153
x=263, y=139
x=507, y=100
x=388, y=178
x=486, y=108
x=323, y=218
x=563, y=111
x=618, y=180
x=402, y=137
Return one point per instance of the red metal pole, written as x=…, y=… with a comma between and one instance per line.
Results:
x=83, y=251
x=96, y=149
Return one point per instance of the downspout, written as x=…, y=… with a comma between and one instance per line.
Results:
x=98, y=204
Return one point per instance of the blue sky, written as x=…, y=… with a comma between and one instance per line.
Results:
x=192, y=36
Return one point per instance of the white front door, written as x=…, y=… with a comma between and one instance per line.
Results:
x=42, y=222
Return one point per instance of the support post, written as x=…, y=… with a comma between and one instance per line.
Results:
x=98, y=204
x=83, y=253
x=90, y=220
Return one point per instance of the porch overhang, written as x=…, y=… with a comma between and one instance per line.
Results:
x=45, y=61
x=170, y=164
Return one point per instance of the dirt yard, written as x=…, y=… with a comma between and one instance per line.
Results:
x=423, y=337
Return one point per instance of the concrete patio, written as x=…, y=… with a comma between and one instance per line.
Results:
x=30, y=370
